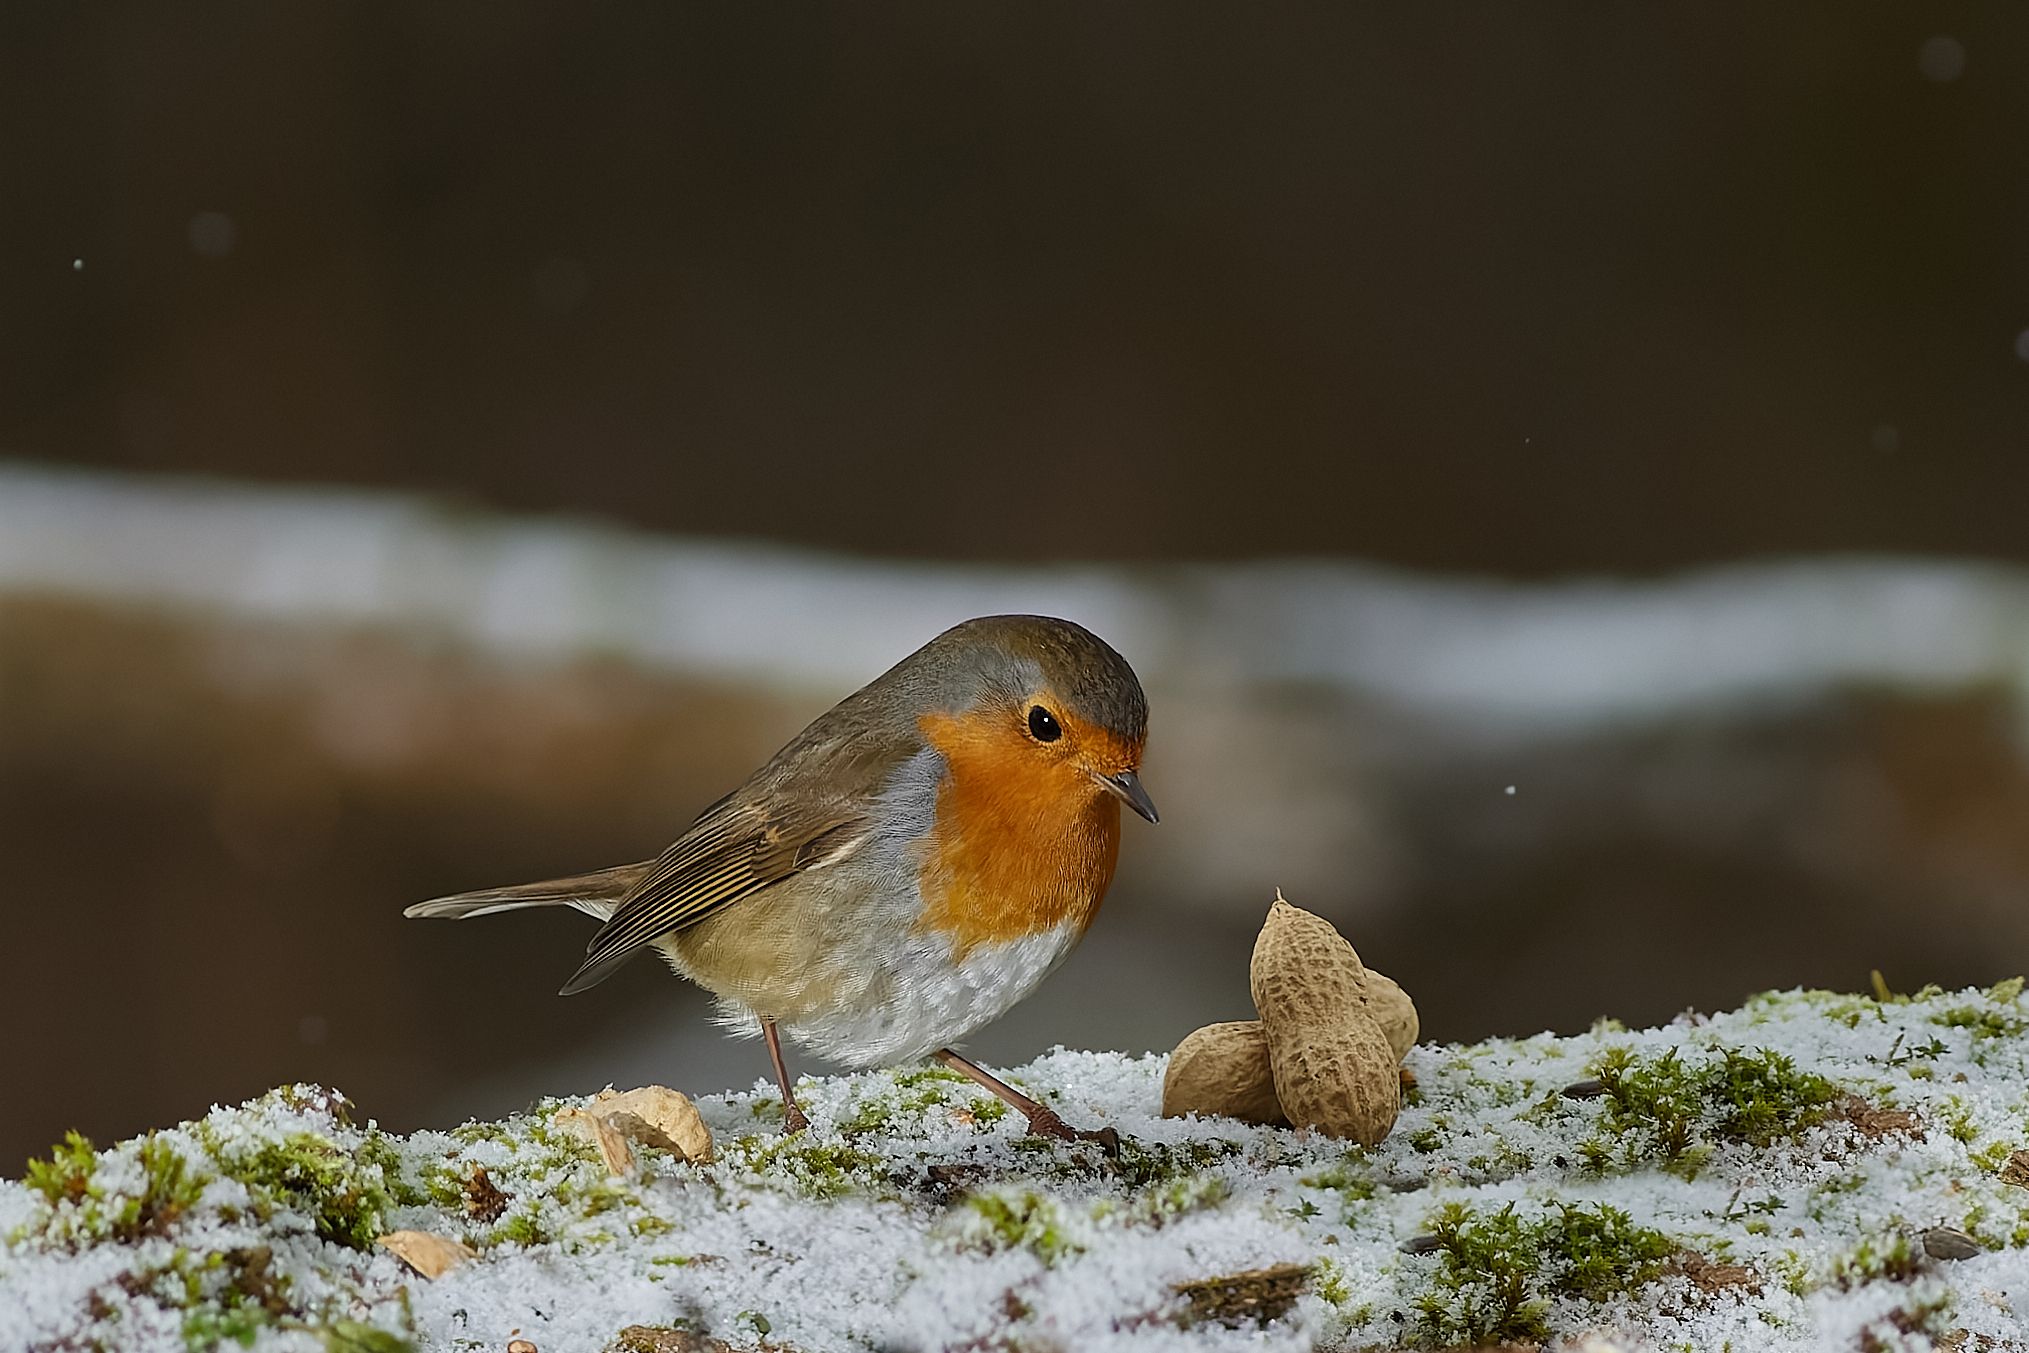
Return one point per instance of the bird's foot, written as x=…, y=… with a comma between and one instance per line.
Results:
x=1045, y=1122
x=793, y=1120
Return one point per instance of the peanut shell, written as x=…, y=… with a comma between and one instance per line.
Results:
x=1303, y=969
x=597, y=1129
x=427, y=1253
x=1393, y=1011
x=1333, y=1067
x=1343, y=1080
x=656, y=1115
x=1222, y=1070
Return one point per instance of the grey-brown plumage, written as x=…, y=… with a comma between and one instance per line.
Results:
x=828, y=795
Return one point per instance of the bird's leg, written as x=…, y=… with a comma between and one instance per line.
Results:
x=792, y=1117
x=1043, y=1120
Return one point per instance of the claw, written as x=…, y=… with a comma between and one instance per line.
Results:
x=1045, y=1122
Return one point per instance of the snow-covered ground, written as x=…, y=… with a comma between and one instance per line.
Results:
x=1812, y=1171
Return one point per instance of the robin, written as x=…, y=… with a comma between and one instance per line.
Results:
x=906, y=869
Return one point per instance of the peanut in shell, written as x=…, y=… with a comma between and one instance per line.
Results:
x=1333, y=1067
x=1222, y=1070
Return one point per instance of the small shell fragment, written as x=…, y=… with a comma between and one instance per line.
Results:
x=428, y=1254
x=653, y=1115
x=600, y=1131
x=660, y=1117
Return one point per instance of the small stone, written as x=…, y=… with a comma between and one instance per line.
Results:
x=1592, y=1089
x=520, y=1346
x=1948, y=1242
x=1422, y=1244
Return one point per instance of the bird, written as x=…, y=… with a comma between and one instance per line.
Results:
x=904, y=870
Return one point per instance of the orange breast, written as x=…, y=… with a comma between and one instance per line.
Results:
x=1022, y=844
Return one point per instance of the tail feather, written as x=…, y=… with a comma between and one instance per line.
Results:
x=595, y=894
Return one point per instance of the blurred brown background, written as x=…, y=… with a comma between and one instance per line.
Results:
x=1486, y=294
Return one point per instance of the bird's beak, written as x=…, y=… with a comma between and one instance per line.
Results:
x=1127, y=787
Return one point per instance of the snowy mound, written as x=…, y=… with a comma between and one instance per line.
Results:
x=1811, y=1171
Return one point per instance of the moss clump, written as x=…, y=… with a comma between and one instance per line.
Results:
x=344, y=1193
x=1984, y=1022
x=1667, y=1110
x=1328, y=1280
x=813, y=1169
x=66, y=1177
x=1482, y=1291
x=524, y=1226
x=1143, y=1165
x=1352, y=1178
x=84, y=1208
x=1762, y=1097
x=1161, y=1203
x=223, y=1296
x=1496, y=1272
x=1026, y=1220
x=1888, y=1256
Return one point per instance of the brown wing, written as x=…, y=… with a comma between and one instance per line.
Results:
x=735, y=850
x=810, y=805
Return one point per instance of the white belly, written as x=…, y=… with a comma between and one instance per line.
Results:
x=923, y=1000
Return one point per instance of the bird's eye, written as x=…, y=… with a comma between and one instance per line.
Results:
x=1043, y=724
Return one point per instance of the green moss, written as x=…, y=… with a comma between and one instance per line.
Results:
x=1984, y=1022
x=224, y=1297
x=66, y=1177
x=318, y=1100
x=1667, y=1110
x=1482, y=1290
x=1651, y=1105
x=344, y=1192
x=83, y=1208
x=1025, y=1220
x=1885, y=1256
x=1160, y=1203
x=1762, y=1097
x=1351, y=1178
x=1328, y=1280
x=1141, y=1165
x=1496, y=1272
x=1598, y=1253
x=812, y=1169
x=1956, y=1117
x=523, y=1226
x=910, y=1093
x=1993, y=1157
x=1430, y=1137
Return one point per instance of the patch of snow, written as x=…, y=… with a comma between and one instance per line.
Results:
x=1818, y=1138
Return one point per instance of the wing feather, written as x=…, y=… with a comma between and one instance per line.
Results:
x=737, y=853
x=814, y=804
